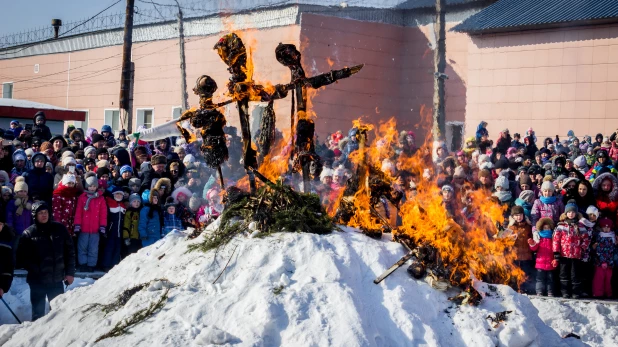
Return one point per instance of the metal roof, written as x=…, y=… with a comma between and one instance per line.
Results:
x=507, y=15
x=421, y=4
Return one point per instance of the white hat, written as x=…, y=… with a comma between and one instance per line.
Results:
x=592, y=210
x=189, y=158
x=326, y=172
x=68, y=160
x=67, y=178
x=502, y=182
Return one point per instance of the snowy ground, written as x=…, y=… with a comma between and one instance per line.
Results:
x=294, y=290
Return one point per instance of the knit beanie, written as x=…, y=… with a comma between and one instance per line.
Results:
x=525, y=179
x=67, y=178
x=92, y=181
x=20, y=184
x=592, y=210
x=502, y=182
x=6, y=190
x=501, y=164
x=135, y=182
x=125, y=168
x=194, y=202
x=67, y=153
x=484, y=173
x=18, y=156
x=134, y=197
x=29, y=152
x=447, y=187
x=97, y=137
x=102, y=151
x=571, y=206
x=102, y=163
x=606, y=222
x=189, y=158
x=89, y=150
x=544, y=221
x=580, y=161
x=45, y=146
x=527, y=195
x=102, y=171
x=517, y=210
x=547, y=185
x=67, y=161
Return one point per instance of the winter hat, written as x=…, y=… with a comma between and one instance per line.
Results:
x=67, y=153
x=67, y=178
x=29, y=152
x=106, y=128
x=547, y=185
x=337, y=152
x=38, y=207
x=158, y=159
x=135, y=182
x=189, y=158
x=134, y=197
x=502, y=164
x=580, y=161
x=605, y=222
x=19, y=156
x=326, y=172
x=571, y=206
x=178, y=149
x=502, y=182
x=169, y=202
x=49, y=165
x=484, y=173
x=486, y=165
x=340, y=171
x=569, y=180
x=561, y=178
x=102, y=171
x=592, y=210
x=6, y=190
x=544, y=221
x=527, y=195
x=517, y=210
x=89, y=150
x=459, y=172
x=20, y=184
x=68, y=161
x=194, y=202
x=525, y=179
x=92, y=181
x=96, y=138
x=447, y=187
x=126, y=168
x=102, y=163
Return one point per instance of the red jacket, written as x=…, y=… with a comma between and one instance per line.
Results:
x=544, y=255
x=64, y=202
x=569, y=240
x=95, y=217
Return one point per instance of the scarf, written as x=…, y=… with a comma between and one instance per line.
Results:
x=610, y=234
x=21, y=204
x=548, y=200
x=90, y=196
x=586, y=223
x=546, y=234
x=503, y=195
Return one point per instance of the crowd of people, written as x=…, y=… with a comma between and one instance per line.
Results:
x=82, y=201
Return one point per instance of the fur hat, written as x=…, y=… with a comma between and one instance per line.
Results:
x=195, y=202
x=68, y=178
x=605, y=222
x=153, y=193
x=92, y=181
x=592, y=210
x=502, y=182
x=547, y=185
x=158, y=159
x=20, y=184
x=29, y=152
x=89, y=150
x=181, y=191
x=164, y=186
x=135, y=182
x=569, y=180
x=179, y=149
x=544, y=221
x=133, y=197
x=527, y=195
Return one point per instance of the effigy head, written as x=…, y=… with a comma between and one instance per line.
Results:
x=205, y=86
x=287, y=54
x=231, y=50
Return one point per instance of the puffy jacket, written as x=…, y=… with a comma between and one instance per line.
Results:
x=170, y=222
x=40, y=183
x=149, y=228
x=95, y=217
x=606, y=248
x=607, y=203
x=6, y=258
x=544, y=254
x=542, y=210
x=130, y=224
x=115, y=217
x=568, y=242
x=47, y=252
x=19, y=223
x=613, y=152
x=523, y=231
x=586, y=229
x=64, y=203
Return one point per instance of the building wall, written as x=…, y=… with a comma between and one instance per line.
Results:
x=550, y=80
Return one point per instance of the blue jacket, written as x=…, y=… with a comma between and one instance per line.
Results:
x=40, y=183
x=170, y=222
x=19, y=223
x=149, y=228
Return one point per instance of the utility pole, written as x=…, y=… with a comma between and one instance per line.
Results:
x=125, y=79
x=183, y=67
x=439, y=63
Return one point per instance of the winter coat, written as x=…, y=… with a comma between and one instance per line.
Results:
x=47, y=252
x=523, y=231
x=526, y=206
x=613, y=151
x=607, y=204
x=541, y=210
x=149, y=228
x=480, y=131
x=115, y=217
x=64, y=203
x=6, y=258
x=592, y=174
x=544, y=253
x=95, y=217
x=170, y=222
x=40, y=183
x=130, y=224
x=148, y=177
x=41, y=131
x=586, y=229
x=110, y=141
x=605, y=248
x=18, y=223
x=567, y=241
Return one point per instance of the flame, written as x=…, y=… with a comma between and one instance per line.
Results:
x=276, y=163
x=330, y=62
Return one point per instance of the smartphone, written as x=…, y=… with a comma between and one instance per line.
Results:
x=71, y=169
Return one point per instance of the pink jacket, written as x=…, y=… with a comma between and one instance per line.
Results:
x=544, y=255
x=95, y=217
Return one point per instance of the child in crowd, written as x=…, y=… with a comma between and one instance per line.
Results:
x=18, y=214
x=150, y=219
x=522, y=230
x=115, y=221
x=64, y=202
x=542, y=243
x=90, y=221
x=134, y=184
x=604, y=246
x=181, y=197
x=170, y=219
x=130, y=232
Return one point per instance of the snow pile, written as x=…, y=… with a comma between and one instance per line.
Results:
x=288, y=289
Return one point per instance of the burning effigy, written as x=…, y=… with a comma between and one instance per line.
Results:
x=444, y=249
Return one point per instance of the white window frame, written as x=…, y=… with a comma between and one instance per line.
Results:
x=116, y=132
x=12, y=89
x=137, y=124
x=87, y=120
x=175, y=107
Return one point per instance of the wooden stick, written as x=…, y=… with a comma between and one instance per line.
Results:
x=228, y=263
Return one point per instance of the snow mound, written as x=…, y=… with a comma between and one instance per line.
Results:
x=287, y=289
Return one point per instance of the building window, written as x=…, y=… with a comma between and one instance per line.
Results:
x=36, y=68
x=112, y=118
x=7, y=90
x=145, y=117
x=176, y=112
x=84, y=124
x=454, y=135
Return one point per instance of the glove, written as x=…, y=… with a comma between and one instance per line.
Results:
x=77, y=229
x=102, y=231
x=127, y=242
x=604, y=266
x=554, y=263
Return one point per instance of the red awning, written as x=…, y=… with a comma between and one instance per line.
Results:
x=15, y=108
